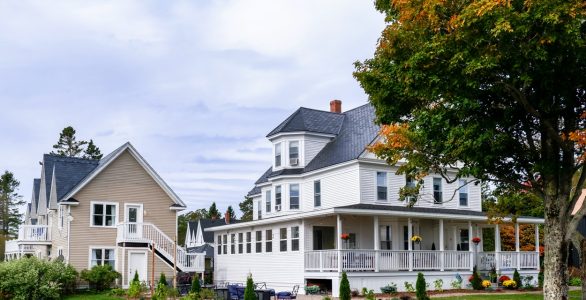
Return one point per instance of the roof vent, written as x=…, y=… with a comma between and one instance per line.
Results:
x=336, y=106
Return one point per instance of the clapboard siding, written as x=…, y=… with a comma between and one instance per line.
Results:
x=313, y=145
x=123, y=181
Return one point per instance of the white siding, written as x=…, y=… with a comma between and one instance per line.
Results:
x=313, y=145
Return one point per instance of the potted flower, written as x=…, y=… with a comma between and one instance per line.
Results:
x=416, y=239
x=345, y=236
x=476, y=240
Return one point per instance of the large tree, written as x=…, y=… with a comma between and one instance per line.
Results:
x=246, y=209
x=230, y=211
x=492, y=89
x=213, y=212
x=68, y=144
x=92, y=151
x=198, y=214
x=10, y=200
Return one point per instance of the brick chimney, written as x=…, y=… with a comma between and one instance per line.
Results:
x=227, y=217
x=336, y=106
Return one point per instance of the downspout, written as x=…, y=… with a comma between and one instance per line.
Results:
x=69, y=219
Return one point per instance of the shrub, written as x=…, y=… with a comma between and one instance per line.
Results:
x=528, y=282
x=517, y=278
x=504, y=278
x=438, y=284
x=161, y=292
x=326, y=298
x=475, y=280
x=100, y=277
x=312, y=289
x=31, y=278
x=135, y=289
x=389, y=289
x=575, y=281
x=249, y=290
x=409, y=287
x=421, y=287
x=117, y=292
x=370, y=295
x=354, y=292
x=510, y=284
x=163, y=280
x=207, y=294
x=195, y=286
x=344, y=287
x=456, y=284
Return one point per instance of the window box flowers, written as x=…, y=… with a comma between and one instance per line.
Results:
x=416, y=239
x=345, y=236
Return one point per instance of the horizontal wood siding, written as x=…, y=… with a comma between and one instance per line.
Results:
x=123, y=181
x=313, y=146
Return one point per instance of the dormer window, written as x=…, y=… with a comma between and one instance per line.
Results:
x=278, y=155
x=294, y=153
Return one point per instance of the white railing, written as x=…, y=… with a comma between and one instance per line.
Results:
x=11, y=246
x=34, y=233
x=401, y=260
x=151, y=234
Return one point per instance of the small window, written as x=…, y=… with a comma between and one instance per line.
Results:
x=259, y=241
x=278, y=198
x=233, y=243
x=381, y=186
x=463, y=193
x=259, y=212
x=219, y=244
x=294, y=153
x=268, y=201
x=104, y=215
x=103, y=257
x=278, y=155
x=283, y=243
x=295, y=238
x=240, y=242
x=61, y=216
x=269, y=241
x=248, y=242
x=386, y=243
x=225, y=244
x=294, y=196
x=317, y=193
x=59, y=251
x=437, y=190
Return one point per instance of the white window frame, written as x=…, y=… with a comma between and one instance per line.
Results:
x=279, y=146
x=441, y=190
x=280, y=198
x=92, y=203
x=268, y=201
x=257, y=241
x=269, y=239
x=298, y=153
x=298, y=196
x=283, y=239
x=93, y=247
x=294, y=238
x=463, y=189
x=240, y=242
x=316, y=195
x=376, y=186
x=61, y=217
x=248, y=245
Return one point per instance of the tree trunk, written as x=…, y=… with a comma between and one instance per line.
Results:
x=583, y=267
x=555, y=285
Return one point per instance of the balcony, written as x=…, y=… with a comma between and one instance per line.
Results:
x=36, y=234
x=416, y=260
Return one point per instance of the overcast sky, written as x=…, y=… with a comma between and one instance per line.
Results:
x=195, y=86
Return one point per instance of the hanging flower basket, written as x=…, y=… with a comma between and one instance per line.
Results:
x=345, y=236
x=476, y=240
x=416, y=239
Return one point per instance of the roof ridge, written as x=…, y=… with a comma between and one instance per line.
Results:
x=63, y=157
x=319, y=110
x=357, y=107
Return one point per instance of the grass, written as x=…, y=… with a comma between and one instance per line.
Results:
x=91, y=296
x=574, y=295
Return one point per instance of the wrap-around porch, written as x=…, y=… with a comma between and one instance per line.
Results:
x=384, y=244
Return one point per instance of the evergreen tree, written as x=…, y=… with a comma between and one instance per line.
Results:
x=92, y=151
x=213, y=212
x=67, y=144
x=246, y=208
x=249, y=290
x=195, y=285
x=345, y=293
x=10, y=200
x=517, y=278
x=420, y=287
x=231, y=213
x=476, y=281
x=162, y=279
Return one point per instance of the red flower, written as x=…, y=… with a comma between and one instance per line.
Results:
x=476, y=240
x=345, y=236
x=504, y=278
x=470, y=278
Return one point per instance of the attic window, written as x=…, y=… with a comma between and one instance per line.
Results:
x=294, y=153
x=278, y=155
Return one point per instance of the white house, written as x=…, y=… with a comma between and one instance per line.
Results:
x=323, y=185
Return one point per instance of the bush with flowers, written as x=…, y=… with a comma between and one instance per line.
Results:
x=486, y=284
x=510, y=284
x=504, y=278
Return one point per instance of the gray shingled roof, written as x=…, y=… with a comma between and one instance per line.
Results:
x=310, y=120
x=37, y=190
x=69, y=171
x=208, y=237
x=357, y=131
x=205, y=248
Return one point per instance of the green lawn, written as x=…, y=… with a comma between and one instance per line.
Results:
x=574, y=295
x=90, y=296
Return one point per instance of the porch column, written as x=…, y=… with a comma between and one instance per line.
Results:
x=537, y=244
x=409, y=243
x=517, y=253
x=470, y=237
x=441, y=243
x=376, y=243
x=497, y=247
x=339, y=239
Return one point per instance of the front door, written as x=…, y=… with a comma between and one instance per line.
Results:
x=133, y=221
x=137, y=263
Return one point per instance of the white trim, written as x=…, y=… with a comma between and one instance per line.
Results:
x=139, y=219
x=69, y=220
x=460, y=187
x=304, y=133
x=387, y=178
x=104, y=203
x=298, y=197
x=60, y=217
x=93, y=247
x=112, y=157
x=146, y=262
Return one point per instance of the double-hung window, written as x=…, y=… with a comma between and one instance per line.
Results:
x=62, y=210
x=102, y=257
x=278, y=155
x=293, y=153
x=317, y=193
x=381, y=186
x=269, y=241
x=463, y=193
x=240, y=243
x=294, y=196
x=233, y=243
x=295, y=238
x=259, y=209
x=248, y=242
x=409, y=183
x=268, y=201
x=437, y=190
x=386, y=242
x=278, y=198
x=219, y=244
x=258, y=241
x=283, y=243
x=104, y=215
x=225, y=244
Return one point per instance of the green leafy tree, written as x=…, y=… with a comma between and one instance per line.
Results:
x=492, y=90
x=421, y=287
x=67, y=144
x=246, y=209
x=231, y=213
x=249, y=289
x=182, y=220
x=195, y=285
x=10, y=201
x=213, y=212
x=345, y=293
x=92, y=151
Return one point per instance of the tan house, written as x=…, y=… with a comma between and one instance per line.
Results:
x=109, y=211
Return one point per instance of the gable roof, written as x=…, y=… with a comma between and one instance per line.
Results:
x=35, y=197
x=310, y=120
x=69, y=171
x=208, y=237
x=357, y=130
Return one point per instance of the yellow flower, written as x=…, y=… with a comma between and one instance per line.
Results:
x=486, y=283
x=416, y=238
x=510, y=284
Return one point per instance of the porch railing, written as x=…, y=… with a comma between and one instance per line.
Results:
x=34, y=233
x=400, y=260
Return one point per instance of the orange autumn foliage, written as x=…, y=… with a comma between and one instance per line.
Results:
x=579, y=137
x=526, y=237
